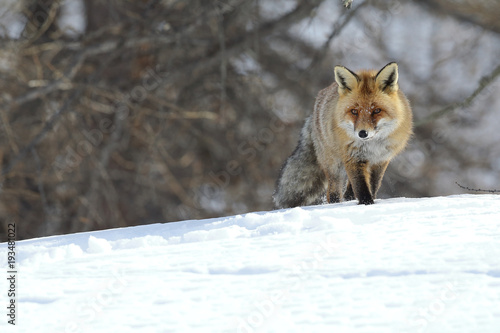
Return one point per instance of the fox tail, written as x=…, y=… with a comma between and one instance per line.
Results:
x=301, y=181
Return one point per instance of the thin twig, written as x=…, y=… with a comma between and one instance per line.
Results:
x=41, y=188
x=8, y=132
x=476, y=190
x=185, y=114
x=46, y=24
x=483, y=83
x=223, y=62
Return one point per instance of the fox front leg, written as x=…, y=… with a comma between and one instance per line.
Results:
x=333, y=192
x=349, y=193
x=377, y=173
x=359, y=178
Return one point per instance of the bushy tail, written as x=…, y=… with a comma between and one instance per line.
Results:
x=301, y=181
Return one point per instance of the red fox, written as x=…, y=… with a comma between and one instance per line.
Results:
x=359, y=123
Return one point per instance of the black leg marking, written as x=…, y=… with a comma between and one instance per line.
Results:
x=334, y=198
x=349, y=193
x=358, y=175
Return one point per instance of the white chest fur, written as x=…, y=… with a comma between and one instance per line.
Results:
x=374, y=151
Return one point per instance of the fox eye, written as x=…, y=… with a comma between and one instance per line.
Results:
x=377, y=111
x=354, y=112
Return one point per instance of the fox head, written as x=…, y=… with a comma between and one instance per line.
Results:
x=369, y=104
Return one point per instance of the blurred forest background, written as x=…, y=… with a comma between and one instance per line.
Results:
x=118, y=113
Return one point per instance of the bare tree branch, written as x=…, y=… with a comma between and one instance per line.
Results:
x=336, y=30
x=476, y=190
x=483, y=83
x=39, y=137
x=63, y=83
x=480, y=13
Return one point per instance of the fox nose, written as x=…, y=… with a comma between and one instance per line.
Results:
x=363, y=134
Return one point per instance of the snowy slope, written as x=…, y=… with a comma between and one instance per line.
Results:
x=401, y=265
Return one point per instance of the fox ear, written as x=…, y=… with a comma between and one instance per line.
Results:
x=387, y=78
x=346, y=79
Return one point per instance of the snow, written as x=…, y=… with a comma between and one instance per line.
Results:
x=72, y=18
x=401, y=265
x=11, y=22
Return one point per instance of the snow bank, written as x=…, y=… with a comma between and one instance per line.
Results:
x=401, y=265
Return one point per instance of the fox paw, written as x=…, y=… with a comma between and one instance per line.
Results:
x=366, y=201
